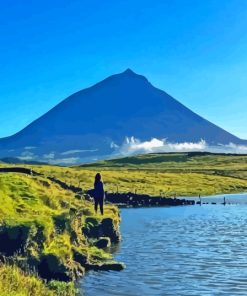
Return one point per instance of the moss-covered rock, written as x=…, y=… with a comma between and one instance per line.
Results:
x=53, y=267
x=107, y=227
x=111, y=230
x=103, y=242
x=80, y=257
x=13, y=238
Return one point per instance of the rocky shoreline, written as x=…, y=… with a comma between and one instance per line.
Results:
x=143, y=200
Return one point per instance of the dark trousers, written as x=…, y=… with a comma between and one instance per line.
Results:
x=99, y=201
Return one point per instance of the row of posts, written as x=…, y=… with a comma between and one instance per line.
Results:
x=200, y=199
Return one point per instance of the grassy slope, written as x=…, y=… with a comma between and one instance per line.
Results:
x=166, y=174
x=161, y=174
x=16, y=282
x=40, y=208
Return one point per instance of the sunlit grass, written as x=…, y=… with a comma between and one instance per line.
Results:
x=161, y=174
x=15, y=282
x=41, y=209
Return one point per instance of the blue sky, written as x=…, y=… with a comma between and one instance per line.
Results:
x=194, y=50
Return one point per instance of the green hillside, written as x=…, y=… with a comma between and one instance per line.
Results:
x=186, y=174
x=166, y=174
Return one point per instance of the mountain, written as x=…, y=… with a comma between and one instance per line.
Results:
x=94, y=123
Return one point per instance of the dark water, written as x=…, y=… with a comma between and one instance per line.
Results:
x=190, y=250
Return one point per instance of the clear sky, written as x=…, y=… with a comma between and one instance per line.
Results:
x=194, y=50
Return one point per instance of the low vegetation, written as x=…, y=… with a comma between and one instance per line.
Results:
x=162, y=174
x=50, y=233
x=15, y=282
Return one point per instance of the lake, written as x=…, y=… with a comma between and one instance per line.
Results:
x=185, y=250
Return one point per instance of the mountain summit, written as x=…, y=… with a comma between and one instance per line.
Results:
x=94, y=123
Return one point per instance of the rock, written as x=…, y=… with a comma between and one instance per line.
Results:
x=117, y=266
x=110, y=230
x=103, y=242
x=105, y=228
x=91, y=228
x=78, y=196
x=80, y=257
x=13, y=239
x=143, y=200
x=107, y=266
x=51, y=267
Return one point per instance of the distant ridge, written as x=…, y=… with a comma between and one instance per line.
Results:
x=16, y=160
x=94, y=123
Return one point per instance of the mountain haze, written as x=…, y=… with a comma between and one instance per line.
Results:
x=94, y=122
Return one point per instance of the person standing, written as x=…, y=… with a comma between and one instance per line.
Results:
x=99, y=194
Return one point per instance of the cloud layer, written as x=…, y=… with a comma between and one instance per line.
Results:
x=130, y=146
x=133, y=145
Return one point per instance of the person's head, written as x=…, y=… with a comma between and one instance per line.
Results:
x=97, y=177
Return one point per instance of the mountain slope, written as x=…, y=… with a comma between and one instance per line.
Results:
x=93, y=122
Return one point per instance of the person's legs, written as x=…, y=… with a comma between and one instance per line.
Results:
x=101, y=204
x=96, y=202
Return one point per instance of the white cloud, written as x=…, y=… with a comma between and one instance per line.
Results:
x=77, y=151
x=114, y=145
x=26, y=155
x=187, y=146
x=238, y=149
x=132, y=145
x=49, y=156
x=65, y=161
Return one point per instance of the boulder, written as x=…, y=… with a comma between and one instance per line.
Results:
x=13, y=239
x=110, y=230
x=106, y=228
x=103, y=242
x=52, y=267
x=80, y=257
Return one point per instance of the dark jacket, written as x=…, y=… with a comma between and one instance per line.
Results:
x=99, y=190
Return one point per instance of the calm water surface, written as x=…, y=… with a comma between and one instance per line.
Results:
x=190, y=250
